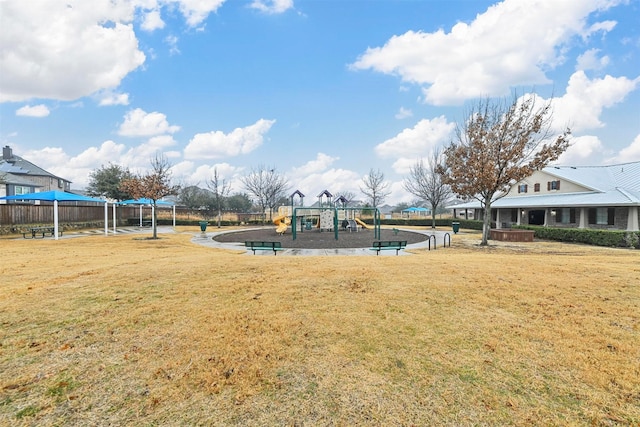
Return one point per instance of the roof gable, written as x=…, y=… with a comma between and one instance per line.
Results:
x=601, y=178
x=17, y=165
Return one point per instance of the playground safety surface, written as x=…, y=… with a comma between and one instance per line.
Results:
x=315, y=239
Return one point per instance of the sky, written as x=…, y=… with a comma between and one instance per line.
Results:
x=321, y=90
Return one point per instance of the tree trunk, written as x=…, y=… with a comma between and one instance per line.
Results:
x=433, y=215
x=486, y=224
x=155, y=220
x=219, y=218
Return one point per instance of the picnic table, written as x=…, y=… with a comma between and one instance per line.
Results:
x=46, y=230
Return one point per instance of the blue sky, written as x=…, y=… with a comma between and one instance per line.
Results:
x=322, y=90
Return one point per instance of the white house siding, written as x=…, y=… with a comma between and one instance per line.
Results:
x=542, y=178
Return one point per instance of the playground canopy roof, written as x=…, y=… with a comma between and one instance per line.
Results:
x=414, y=209
x=144, y=201
x=54, y=195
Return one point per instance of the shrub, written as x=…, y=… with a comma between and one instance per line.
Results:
x=619, y=239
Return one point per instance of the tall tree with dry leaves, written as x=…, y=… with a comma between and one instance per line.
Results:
x=501, y=142
x=154, y=186
x=427, y=184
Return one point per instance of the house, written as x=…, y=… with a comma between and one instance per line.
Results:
x=19, y=176
x=597, y=197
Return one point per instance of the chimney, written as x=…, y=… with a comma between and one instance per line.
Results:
x=7, y=153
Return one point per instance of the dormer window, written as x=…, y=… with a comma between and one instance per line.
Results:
x=553, y=185
x=522, y=188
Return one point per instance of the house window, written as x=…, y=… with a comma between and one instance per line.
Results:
x=522, y=188
x=536, y=187
x=602, y=216
x=60, y=183
x=566, y=216
x=553, y=185
x=21, y=189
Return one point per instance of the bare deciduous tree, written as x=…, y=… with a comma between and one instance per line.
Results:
x=267, y=186
x=220, y=189
x=154, y=185
x=375, y=188
x=500, y=143
x=427, y=184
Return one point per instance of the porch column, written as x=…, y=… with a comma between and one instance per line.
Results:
x=632, y=220
x=498, y=223
x=584, y=215
x=520, y=214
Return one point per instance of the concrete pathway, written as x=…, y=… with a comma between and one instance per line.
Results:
x=207, y=240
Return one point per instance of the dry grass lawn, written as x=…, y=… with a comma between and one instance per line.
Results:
x=128, y=331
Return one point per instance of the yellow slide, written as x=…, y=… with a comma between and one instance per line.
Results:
x=359, y=221
x=282, y=222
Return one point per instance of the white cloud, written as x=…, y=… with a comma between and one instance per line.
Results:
x=319, y=164
x=76, y=169
x=40, y=110
x=630, y=153
x=403, y=164
x=140, y=123
x=272, y=6
x=590, y=60
x=152, y=21
x=403, y=113
x=216, y=144
x=417, y=141
x=172, y=42
x=335, y=180
x=58, y=50
x=108, y=98
x=512, y=43
x=581, y=106
x=584, y=150
x=202, y=175
x=196, y=11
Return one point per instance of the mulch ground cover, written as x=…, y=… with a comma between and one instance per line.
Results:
x=315, y=239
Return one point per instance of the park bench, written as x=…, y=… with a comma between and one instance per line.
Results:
x=33, y=231
x=264, y=246
x=385, y=245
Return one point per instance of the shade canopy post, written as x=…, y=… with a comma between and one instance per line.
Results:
x=55, y=219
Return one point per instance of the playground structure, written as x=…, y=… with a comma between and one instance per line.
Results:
x=326, y=216
x=282, y=222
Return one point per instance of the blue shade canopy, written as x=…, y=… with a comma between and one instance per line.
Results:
x=54, y=195
x=144, y=201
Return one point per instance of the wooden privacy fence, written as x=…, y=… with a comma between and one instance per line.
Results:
x=19, y=214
